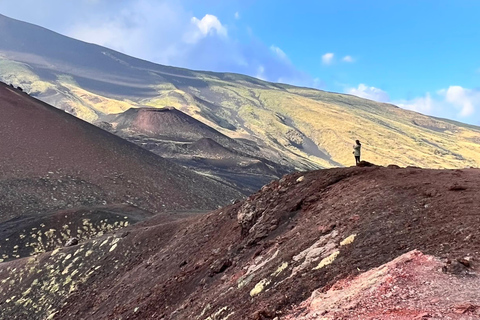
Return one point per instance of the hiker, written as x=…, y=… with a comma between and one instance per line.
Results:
x=356, y=151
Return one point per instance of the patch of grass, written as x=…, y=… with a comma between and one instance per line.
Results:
x=19, y=74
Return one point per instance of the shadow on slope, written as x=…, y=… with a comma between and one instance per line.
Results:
x=179, y=137
x=50, y=160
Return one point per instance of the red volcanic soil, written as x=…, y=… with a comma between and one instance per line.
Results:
x=304, y=247
x=50, y=160
x=168, y=123
x=184, y=140
x=413, y=286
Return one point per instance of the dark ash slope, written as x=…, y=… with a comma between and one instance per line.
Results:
x=50, y=160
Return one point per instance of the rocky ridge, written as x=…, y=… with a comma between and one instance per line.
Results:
x=300, y=247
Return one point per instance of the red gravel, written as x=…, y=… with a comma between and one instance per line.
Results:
x=195, y=267
x=412, y=286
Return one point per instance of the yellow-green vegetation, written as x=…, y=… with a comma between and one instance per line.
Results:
x=280, y=116
x=99, y=103
x=348, y=240
x=279, y=270
x=243, y=281
x=328, y=260
x=19, y=74
x=45, y=280
x=42, y=238
x=259, y=287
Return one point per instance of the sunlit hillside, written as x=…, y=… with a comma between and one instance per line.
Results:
x=302, y=127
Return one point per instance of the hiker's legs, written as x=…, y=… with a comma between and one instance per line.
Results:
x=357, y=159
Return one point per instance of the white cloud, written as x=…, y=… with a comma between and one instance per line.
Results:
x=464, y=99
x=454, y=102
x=143, y=28
x=260, y=73
x=209, y=25
x=424, y=105
x=348, y=59
x=279, y=52
x=162, y=31
x=372, y=93
x=237, y=15
x=327, y=58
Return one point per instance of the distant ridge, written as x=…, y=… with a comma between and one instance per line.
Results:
x=295, y=127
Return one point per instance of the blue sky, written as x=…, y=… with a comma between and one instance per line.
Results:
x=420, y=55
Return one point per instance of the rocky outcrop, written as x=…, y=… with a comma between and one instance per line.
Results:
x=411, y=286
x=71, y=242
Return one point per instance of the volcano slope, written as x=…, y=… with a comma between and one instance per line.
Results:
x=316, y=245
x=61, y=177
x=300, y=127
x=52, y=160
x=177, y=136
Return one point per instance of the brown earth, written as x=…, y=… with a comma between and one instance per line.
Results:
x=178, y=137
x=413, y=286
x=29, y=235
x=50, y=161
x=168, y=123
x=275, y=255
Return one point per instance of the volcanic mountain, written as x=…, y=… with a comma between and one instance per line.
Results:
x=51, y=161
x=40, y=142
x=296, y=127
x=175, y=135
x=347, y=243
x=169, y=124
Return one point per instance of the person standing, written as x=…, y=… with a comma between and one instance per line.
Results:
x=357, y=151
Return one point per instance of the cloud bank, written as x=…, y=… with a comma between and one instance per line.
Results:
x=454, y=102
x=371, y=93
x=163, y=31
x=465, y=100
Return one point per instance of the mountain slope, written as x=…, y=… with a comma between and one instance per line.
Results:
x=299, y=127
x=169, y=124
x=306, y=245
x=50, y=160
x=176, y=136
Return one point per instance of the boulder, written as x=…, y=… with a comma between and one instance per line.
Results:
x=71, y=242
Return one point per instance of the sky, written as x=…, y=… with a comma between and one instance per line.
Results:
x=419, y=55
